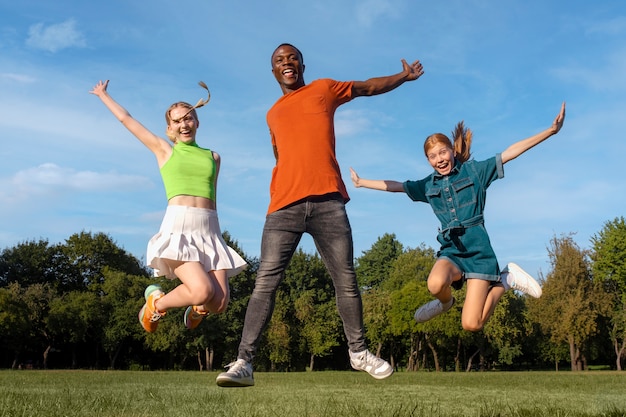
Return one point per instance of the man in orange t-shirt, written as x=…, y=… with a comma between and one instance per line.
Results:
x=307, y=195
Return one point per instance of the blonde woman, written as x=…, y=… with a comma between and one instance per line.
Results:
x=189, y=245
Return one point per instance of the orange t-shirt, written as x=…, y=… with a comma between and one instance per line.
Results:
x=303, y=134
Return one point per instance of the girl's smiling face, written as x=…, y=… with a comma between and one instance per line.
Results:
x=441, y=158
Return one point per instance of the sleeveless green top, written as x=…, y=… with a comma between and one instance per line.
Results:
x=190, y=170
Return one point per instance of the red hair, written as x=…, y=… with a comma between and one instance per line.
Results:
x=462, y=142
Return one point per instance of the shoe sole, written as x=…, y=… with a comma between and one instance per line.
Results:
x=229, y=383
x=187, y=321
x=375, y=376
x=422, y=320
x=149, y=290
x=535, y=287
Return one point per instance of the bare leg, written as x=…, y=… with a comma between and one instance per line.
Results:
x=480, y=301
x=196, y=287
x=441, y=277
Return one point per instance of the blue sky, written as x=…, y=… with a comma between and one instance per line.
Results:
x=503, y=67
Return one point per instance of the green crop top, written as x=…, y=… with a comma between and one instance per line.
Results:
x=190, y=170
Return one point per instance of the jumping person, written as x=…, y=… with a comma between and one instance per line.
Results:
x=308, y=195
x=457, y=191
x=189, y=245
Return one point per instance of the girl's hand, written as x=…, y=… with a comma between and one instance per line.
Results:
x=558, y=121
x=100, y=88
x=355, y=178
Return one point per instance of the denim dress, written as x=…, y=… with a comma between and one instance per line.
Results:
x=458, y=200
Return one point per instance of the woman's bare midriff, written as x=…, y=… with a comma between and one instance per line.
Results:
x=192, y=201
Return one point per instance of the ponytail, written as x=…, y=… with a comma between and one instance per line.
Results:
x=462, y=142
x=191, y=109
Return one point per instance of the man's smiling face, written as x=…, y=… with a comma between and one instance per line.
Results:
x=288, y=68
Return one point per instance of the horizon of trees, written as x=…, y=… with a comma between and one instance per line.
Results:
x=74, y=305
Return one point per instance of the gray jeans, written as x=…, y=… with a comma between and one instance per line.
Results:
x=325, y=219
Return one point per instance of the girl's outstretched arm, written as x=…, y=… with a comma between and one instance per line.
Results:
x=382, y=185
x=523, y=145
x=159, y=146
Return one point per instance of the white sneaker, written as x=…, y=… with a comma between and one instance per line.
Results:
x=365, y=361
x=239, y=374
x=514, y=277
x=431, y=309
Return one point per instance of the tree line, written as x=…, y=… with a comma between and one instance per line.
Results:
x=74, y=305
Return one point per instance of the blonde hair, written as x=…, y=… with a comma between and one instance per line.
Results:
x=462, y=142
x=191, y=109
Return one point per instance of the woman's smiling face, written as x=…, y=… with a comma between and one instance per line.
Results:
x=183, y=124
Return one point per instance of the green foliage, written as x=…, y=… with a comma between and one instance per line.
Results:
x=572, y=302
x=609, y=267
x=75, y=304
x=609, y=255
x=372, y=268
x=508, y=327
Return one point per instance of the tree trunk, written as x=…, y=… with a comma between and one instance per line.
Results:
x=209, y=353
x=574, y=353
x=434, y=352
x=199, y=358
x=74, y=360
x=378, y=349
x=45, y=356
x=471, y=359
x=312, y=362
x=114, y=356
x=413, y=362
x=619, y=352
x=457, y=358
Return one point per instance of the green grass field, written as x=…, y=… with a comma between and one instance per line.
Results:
x=312, y=394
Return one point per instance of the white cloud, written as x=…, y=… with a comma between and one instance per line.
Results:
x=370, y=10
x=614, y=27
x=20, y=78
x=50, y=179
x=597, y=76
x=55, y=37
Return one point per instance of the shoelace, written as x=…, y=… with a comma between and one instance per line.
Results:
x=155, y=316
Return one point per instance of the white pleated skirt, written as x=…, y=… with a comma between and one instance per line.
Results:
x=192, y=234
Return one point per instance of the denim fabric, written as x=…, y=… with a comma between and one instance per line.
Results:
x=325, y=219
x=458, y=200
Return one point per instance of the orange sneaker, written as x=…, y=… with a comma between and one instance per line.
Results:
x=148, y=315
x=193, y=317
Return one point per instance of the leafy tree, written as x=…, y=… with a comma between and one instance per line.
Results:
x=37, y=298
x=571, y=302
x=37, y=262
x=279, y=333
x=122, y=297
x=15, y=327
x=609, y=267
x=91, y=253
x=71, y=317
x=376, y=308
x=226, y=328
x=508, y=327
x=320, y=325
x=372, y=268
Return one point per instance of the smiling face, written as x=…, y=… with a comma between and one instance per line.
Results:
x=182, y=123
x=288, y=68
x=440, y=154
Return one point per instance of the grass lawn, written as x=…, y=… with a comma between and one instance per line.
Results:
x=172, y=394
